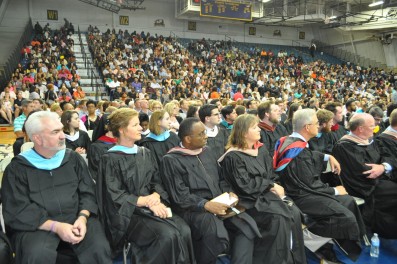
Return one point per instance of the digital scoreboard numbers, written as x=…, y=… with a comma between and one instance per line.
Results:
x=226, y=10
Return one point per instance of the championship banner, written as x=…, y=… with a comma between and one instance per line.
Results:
x=226, y=10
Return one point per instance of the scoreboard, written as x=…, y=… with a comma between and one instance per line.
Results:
x=225, y=9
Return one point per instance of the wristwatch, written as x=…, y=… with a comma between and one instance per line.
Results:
x=83, y=214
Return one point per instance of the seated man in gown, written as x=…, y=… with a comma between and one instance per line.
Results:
x=334, y=212
x=49, y=199
x=369, y=171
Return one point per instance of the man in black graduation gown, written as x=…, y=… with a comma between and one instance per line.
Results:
x=325, y=140
x=49, y=200
x=217, y=135
x=190, y=174
x=377, y=114
x=5, y=246
x=229, y=115
x=337, y=128
x=271, y=130
x=369, y=172
x=334, y=212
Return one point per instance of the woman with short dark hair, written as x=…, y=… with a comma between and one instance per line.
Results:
x=76, y=139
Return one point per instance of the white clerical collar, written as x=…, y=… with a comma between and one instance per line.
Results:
x=297, y=135
x=212, y=132
x=391, y=129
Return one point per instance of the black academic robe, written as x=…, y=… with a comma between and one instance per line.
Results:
x=228, y=130
x=122, y=179
x=159, y=148
x=269, y=138
x=288, y=126
x=218, y=143
x=334, y=216
x=323, y=144
x=379, y=194
x=96, y=150
x=83, y=141
x=340, y=132
x=32, y=196
x=91, y=125
x=251, y=178
x=191, y=181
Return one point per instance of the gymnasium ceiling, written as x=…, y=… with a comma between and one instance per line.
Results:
x=350, y=15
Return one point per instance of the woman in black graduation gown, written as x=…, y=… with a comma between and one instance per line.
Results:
x=247, y=167
x=133, y=202
x=100, y=146
x=160, y=139
x=77, y=140
x=288, y=122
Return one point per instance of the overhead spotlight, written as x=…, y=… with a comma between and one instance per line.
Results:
x=376, y=3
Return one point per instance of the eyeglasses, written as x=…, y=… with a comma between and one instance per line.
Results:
x=313, y=124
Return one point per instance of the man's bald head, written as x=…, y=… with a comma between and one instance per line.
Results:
x=362, y=125
x=358, y=120
x=393, y=119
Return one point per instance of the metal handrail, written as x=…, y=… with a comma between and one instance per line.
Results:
x=89, y=66
x=16, y=55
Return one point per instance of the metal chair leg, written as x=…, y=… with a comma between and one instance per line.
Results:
x=126, y=250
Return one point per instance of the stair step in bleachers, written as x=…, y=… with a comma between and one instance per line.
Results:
x=85, y=67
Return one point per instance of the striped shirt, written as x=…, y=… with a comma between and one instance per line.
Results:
x=18, y=122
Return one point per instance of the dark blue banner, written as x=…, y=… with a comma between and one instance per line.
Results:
x=226, y=10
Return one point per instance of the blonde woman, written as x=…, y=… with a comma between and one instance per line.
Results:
x=173, y=110
x=160, y=139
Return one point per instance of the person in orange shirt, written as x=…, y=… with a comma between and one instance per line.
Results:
x=214, y=94
x=79, y=93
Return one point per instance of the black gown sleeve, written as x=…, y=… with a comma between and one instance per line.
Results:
x=307, y=168
x=156, y=183
x=86, y=186
x=244, y=183
x=113, y=183
x=19, y=212
x=172, y=175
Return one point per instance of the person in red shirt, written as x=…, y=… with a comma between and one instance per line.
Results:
x=238, y=95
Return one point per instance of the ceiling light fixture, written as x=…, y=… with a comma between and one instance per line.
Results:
x=376, y=3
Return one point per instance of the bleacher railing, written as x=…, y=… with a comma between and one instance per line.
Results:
x=16, y=55
x=90, y=68
x=346, y=55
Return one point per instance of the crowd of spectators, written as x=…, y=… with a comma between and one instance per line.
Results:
x=152, y=67
x=141, y=66
x=47, y=71
x=210, y=80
